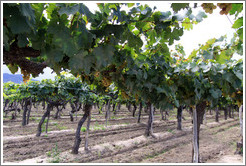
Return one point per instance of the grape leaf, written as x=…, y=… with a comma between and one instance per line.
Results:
x=178, y=6
x=238, y=23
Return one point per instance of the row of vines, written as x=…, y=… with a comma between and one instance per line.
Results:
x=119, y=55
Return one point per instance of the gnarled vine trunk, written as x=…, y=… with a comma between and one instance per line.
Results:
x=140, y=110
x=24, y=118
x=77, y=141
x=134, y=109
x=149, y=129
x=216, y=114
x=87, y=131
x=29, y=110
x=107, y=115
x=198, y=113
x=48, y=108
x=179, y=117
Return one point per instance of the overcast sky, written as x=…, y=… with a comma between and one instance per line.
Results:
x=214, y=26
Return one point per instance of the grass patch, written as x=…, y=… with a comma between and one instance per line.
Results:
x=150, y=156
x=54, y=154
x=32, y=118
x=170, y=131
x=59, y=127
x=98, y=127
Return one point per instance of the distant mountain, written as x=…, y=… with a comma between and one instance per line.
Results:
x=16, y=78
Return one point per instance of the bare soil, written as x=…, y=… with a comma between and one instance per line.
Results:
x=121, y=142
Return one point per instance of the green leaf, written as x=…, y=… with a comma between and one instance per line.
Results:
x=69, y=10
x=152, y=35
x=5, y=38
x=238, y=23
x=236, y=8
x=22, y=40
x=13, y=68
x=216, y=93
x=130, y=4
x=49, y=10
x=187, y=24
x=239, y=74
x=199, y=17
x=240, y=33
x=195, y=69
x=178, y=6
x=76, y=62
x=27, y=11
x=18, y=23
x=222, y=57
x=103, y=55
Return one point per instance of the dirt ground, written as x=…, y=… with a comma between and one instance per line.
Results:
x=122, y=141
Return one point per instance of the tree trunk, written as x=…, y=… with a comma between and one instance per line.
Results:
x=24, y=113
x=107, y=116
x=47, y=122
x=166, y=114
x=211, y=112
x=113, y=108
x=162, y=115
x=16, y=109
x=77, y=141
x=43, y=104
x=117, y=108
x=29, y=111
x=226, y=113
x=134, y=110
x=198, y=113
x=149, y=130
x=229, y=111
x=217, y=114
x=179, y=117
x=71, y=116
x=140, y=110
x=129, y=107
x=87, y=131
x=57, y=113
x=42, y=120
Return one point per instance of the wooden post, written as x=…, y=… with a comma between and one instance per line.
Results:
x=195, y=138
x=241, y=119
x=87, y=131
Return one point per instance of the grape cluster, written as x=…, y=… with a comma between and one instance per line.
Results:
x=226, y=7
x=208, y=7
x=26, y=76
x=106, y=81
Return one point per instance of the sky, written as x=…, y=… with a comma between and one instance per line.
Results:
x=214, y=26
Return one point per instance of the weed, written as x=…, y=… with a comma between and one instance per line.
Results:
x=99, y=154
x=170, y=131
x=61, y=127
x=46, y=135
x=54, y=154
x=83, y=129
x=98, y=127
x=48, y=153
x=32, y=118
